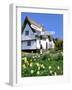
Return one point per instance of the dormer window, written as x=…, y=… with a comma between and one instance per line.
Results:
x=26, y=33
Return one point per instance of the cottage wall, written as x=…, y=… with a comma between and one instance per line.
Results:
x=38, y=44
x=43, y=43
x=24, y=45
x=50, y=44
x=31, y=34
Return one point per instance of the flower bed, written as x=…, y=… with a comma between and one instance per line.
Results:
x=47, y=64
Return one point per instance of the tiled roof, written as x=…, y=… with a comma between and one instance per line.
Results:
x=34, y=23
x=31, y=22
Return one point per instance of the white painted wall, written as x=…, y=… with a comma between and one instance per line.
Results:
x=31, y=34
x=49, y=43
x=38, y=44
x=43, y=43
x=25, y=47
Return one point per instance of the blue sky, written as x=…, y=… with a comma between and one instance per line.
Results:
x=52, y=22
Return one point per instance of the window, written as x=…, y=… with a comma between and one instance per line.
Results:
x=26, y=33
x=28, y=43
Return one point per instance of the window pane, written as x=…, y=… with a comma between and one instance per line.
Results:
x=29, y=43
x=26, y=32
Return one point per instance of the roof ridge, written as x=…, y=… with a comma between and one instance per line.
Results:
x=31, y=21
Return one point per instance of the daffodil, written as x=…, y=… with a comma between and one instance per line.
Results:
x=24, y=66
x=55, y=73
x=58, y=67
x=38, y=72
x=50, y=67
x=48, y=59
x=31, y=64
x=33, y=57
x=38, y=55
x=32, y=71
x=50, y=71
x=30, y=60
x=42, y=66
x=27, y=63
x=39, y=68
x=37, y=64
x=25, y=59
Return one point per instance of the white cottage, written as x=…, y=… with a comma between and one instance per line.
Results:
x=34, y=37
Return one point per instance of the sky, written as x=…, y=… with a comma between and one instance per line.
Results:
x=51, y=22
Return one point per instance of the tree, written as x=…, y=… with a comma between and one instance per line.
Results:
x=58, y=44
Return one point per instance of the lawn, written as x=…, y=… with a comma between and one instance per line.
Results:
x=46, y=64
